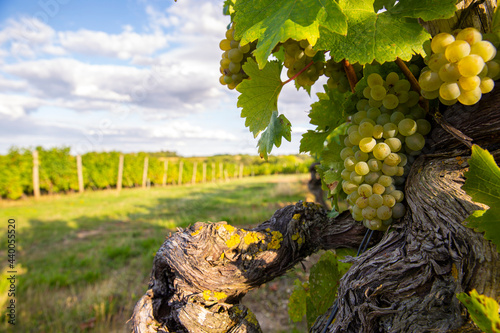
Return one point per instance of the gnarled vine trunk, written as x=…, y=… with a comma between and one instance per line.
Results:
x=405, y=283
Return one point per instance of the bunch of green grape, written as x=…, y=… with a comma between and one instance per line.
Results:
x=337, y=78
x=299, y=54
x=388, y=126
x=234, y=56
x=461, y=68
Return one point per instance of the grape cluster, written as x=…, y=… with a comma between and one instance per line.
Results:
x=234, y=56
x=388, y=123
x=298, y=55
x=461, y=68
x=337, y=78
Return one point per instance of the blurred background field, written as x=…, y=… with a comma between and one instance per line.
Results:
x=83, y=259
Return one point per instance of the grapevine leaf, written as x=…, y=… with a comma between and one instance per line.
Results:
x=278, y=127
x=495, y=24
x=483, y=185
x=259, y=94
x=323, y=283
x=330, y=171
x=297, y=302
x=383, y=36
x=271, y=22
x=427, y=10
x=483, y=310
x=313, y=142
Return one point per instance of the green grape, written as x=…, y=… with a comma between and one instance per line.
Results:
x=349, y=187
x=378, y=188
x=365, y=190
x=457, y=50
x=365, y=129
x=361, y=156
x=391, y=188
x=375, y=200
x=235, y=55
x=396, y=117
x=357, y=216
x=423, y=127
x=486, y=85
x=355, y=137
x=470, y=97
x=430, y=94
x=484, y=49
x=417, y=112
x=430, y=81
x=449, y=91
x=353, y=197
x=449, y=72
x=407, y=127
x=362, y=168
x=228, y=79
x=374, y=79
x=493, y=69
x=356, y=178
x=346, y=152
x=398, y=195
x=234, y=44
x=378, y=131
x=413, y=98
x=352, y=128
x=394, y=144
x=347, y=143
x=384, y=212
x=361, y=105
x=231, y=86
x=225, y=45
x=372, y=177
x=389, y=200
x=368, y=120
x=390, y=101
x=374, y=104
x=234, y=67
x=398, y=211
x=392, y=159
x=350, y=163
x=381, y=150
x=383, y=119
x=403, y=157
x=372, y=113
x=390, y=130
x=415, y=141
x=470, y=35
x=378, y=92
x=389, y=170
x=471, y=65
x=400, y=172
x=469, y=83
x=244, y=48
x=358, y=117
x=367, y=144
x=367, y=92
x=362, y=202
x=441, y=41
x=369, y=213
x=346, y=174
x=436, y=61
x=374, y=164
x=385, y=181
x=392, y=78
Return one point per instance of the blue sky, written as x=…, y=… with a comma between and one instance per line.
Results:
x=129, y=75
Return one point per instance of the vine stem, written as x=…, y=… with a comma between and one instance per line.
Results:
x=413, y=82
x=299, y=72
x=351, y=74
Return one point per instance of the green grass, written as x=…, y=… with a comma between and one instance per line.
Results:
x=84, y=260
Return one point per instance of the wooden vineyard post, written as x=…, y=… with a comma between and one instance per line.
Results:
x=221, y=171
x=204, y=177
x=181, y=166
x=195, y=167
x=213, y=172
x=241, y=170
x=120, y=174
x=80, y=173
x=36, y=178
x=145, y=173
x=165, y=173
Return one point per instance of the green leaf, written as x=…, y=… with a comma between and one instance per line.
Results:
x=383, y=36
x=483, y=185
x=323, y=283
x=271, y=22
x=483, y=310
x=259, y=94
x=279, y=127
x=495, y=24
x=297, y=302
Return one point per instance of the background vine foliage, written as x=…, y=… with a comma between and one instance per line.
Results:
x=388, y=87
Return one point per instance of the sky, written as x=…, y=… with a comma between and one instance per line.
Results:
x=124, y=75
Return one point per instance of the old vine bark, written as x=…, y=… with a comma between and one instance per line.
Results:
x=406, y=283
